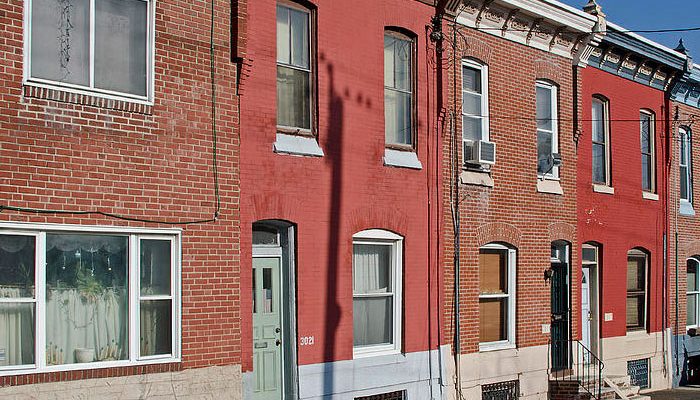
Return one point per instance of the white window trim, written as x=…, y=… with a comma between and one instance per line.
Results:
x=695, y=293
x=87, y=90
x=310, y=70
x=684, y=137
x=511, y=271
x=652, y=145
x=554, y=98
x=382, y=237
x=406, y=147
x=134, y=234
x=606, y=126
x=639, y=254
x=484, y=70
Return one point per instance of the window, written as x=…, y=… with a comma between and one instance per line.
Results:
x=686, y=166
x=637, y=266
x=693, y=292
x=398, y=89
x=646, y=132
x=376, y=288
x=547, y=133
x=496, y=297
x=601, y=141
x=294, y=69
x=95, y=298
x=475, y=105
x=102, y=46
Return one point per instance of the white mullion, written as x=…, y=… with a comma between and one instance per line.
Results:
x=92, y=44
x=40, y=298
x=175, y=294
x=134, y=303
x=173, y=322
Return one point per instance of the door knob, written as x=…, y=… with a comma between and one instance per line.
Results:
x=277, y=330
x=277, y=342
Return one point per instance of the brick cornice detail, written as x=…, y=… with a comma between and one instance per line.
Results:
x=498, y=232
x=562, y=231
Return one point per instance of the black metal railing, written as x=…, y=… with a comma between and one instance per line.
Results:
x=571, y=361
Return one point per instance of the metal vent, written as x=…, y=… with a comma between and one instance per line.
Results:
x=399, y=395
x=508, y=390
x=638, y=370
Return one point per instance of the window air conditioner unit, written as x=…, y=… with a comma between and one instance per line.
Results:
x=482, y=152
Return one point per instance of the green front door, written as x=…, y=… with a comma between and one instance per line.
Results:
x=267, y=335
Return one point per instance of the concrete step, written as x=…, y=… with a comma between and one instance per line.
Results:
x=619, y=380
x=639, y=397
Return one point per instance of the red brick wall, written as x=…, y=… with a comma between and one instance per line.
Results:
x=513, y=211
x=686, y=227
x=624, y=220
x=332, y=197
x=155, y=163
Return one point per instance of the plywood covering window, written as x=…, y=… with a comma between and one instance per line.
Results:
x=496, y=297
x=637, y=265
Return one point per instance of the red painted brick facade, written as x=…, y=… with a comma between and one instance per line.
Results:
x=330, y=198
x=82, y=153
x=624, y=220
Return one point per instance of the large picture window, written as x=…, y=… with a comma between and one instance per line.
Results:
x=78, y=297
x=102, y=46
x=376, y=288
x=294, y=90
x=496, y=297
x=637, y=272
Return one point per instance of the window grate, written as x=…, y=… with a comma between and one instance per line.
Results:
x=398, y=395
x=638, y=370
x=501, y=391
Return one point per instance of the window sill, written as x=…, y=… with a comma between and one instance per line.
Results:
x=495, y=346
x=86, y=97
x=297, y=145
x=374, y=351
x=686, y=208
x=550, y=186
x=637, y=333
x=401, y=159
x=650, y=196
x=477, y=178
x=19, y=370
x=605, y=189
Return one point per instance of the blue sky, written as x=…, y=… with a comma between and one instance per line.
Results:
x=654, y=14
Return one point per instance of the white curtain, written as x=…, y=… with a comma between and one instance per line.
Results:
x=89, y=323
x=16, y=329
x=372, y=315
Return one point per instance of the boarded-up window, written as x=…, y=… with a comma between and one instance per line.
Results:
x=636, y=289
x=495, y=294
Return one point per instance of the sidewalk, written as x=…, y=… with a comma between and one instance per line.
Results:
x=684, y=393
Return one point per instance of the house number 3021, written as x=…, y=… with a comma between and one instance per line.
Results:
x=306, y=341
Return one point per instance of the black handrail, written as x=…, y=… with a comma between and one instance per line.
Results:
x=576, y=363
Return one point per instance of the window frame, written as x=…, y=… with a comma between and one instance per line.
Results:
x=485, y=116
x=310, y=12
x=554, y=101
x=607, y=159
x=134, y=236
x=652, y=148
x=695, y=293
x=91, y=90
x=385, y=238
x=511, y=267
x=685, y=139
x=637, y=253
x=401, y=34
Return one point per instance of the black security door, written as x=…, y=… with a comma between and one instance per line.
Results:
x=560, y=317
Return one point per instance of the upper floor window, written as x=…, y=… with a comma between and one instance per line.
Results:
x=601, y=140
x=88, y=297
x=646, y=133
x=398, y=89
x=693, y=292
x=547, y=132
x=376, y=288
x=103, y=46
x=496, y=296
x=686, y=165
x=637, y=273
x=294, y=69
x=475, y=106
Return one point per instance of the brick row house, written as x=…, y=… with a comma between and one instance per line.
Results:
x=316, y=199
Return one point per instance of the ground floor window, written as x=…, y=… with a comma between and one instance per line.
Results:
x=693, y=292
x=496, y=296
x=87, y=297
x=637, y=270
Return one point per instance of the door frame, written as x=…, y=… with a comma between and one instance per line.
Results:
x=561, y=254
x=284, y=250
x=594, y=289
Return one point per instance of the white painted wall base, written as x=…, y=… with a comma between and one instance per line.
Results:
x=616, y=351
x=220, y=383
